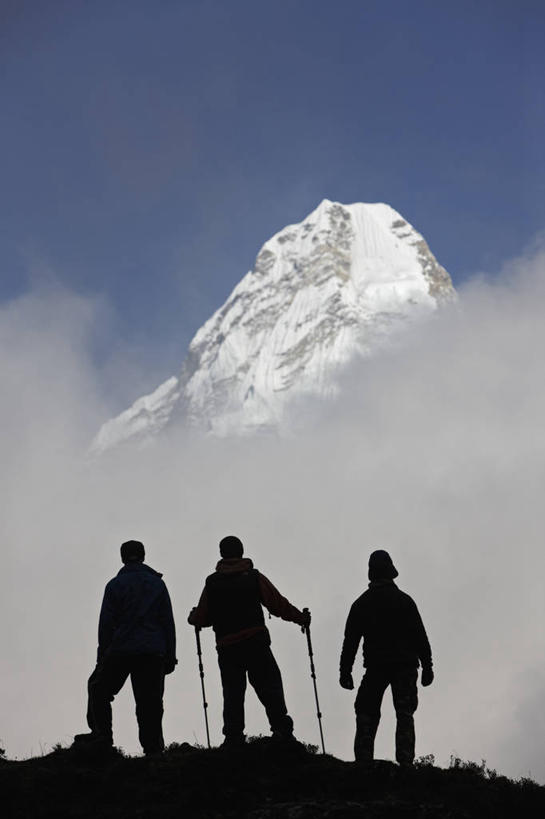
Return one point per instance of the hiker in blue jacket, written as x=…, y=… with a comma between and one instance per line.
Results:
x=136, y=638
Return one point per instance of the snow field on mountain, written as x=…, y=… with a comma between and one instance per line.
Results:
x=337, y=285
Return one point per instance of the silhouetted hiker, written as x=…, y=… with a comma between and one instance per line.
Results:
x=394, y=641
x=231, y=603
x=136, y=638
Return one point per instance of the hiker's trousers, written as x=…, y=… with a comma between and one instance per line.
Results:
x=252, y=659
x=147, y=673
x=402, y=679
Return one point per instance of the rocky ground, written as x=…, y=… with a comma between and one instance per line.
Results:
x=261, y=781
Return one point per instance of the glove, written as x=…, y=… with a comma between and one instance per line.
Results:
x=306, y=618
x=346, y=681
x=170, y=665
x=191, y=616
x=427, y=675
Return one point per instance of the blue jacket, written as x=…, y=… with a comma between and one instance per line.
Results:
x=136, y=615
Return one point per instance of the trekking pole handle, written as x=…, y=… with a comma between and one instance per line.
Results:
x=305, y=628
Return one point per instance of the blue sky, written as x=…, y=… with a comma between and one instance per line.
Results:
x=149, y=148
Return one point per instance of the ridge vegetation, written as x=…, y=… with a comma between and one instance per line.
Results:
x=263, y=780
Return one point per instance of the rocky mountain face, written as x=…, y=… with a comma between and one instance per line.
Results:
x=336, y=285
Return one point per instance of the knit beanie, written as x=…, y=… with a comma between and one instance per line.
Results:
x=381, y=566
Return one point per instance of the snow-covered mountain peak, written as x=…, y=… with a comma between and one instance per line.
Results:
x=335, y=285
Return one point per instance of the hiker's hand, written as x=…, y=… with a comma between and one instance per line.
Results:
x=191, y=617
x=427, y=675
x=305, y=621
x=346, y=681
x=170, y=665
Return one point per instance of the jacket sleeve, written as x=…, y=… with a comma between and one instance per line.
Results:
x=277, y=604
x=200, y=616
x=353, y=633
x=421, y=640
x=106, y=621
x=169, y=627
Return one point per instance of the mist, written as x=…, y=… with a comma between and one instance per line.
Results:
x=434, y=451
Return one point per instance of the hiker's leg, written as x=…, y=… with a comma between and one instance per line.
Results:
x=105, y=682
x=148, y=685
x=367, y=707
x=90, y=718
x=405, y=697
x=264, y=675
x=233, y=681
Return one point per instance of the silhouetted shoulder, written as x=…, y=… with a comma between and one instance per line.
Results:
x=405, y=596
x=408, y=601
x=361, y=600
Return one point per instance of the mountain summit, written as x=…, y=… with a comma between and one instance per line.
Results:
x=336, y=285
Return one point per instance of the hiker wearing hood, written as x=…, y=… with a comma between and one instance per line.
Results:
x=231, y=603
x=136, y=638
x=394, y=643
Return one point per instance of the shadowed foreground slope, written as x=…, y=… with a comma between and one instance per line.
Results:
x=261, y=781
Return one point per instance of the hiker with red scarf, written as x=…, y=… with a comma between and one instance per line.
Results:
x=231, y=603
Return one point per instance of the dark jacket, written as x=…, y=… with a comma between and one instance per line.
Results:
x=136, y=615
x=232, y=598
x=391, y=627
x=234, y=602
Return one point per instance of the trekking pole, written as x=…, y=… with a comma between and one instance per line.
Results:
x=306, y=630
x=201, y=674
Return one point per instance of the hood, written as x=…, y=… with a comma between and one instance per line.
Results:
x=234, y=565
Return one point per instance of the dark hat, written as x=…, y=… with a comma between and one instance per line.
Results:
x=381, y=566
x=231, y=546
x=132, y=551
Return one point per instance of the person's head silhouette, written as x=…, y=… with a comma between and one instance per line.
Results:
x=381, y=566
x=132, y=551
x=231, y=546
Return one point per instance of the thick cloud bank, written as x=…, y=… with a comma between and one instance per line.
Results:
x=435, y=451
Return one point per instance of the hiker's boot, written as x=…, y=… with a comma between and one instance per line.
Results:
x=233, y=742
x=151, y=752
x=80, y=739
x=93, y=745
x=286, y=737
